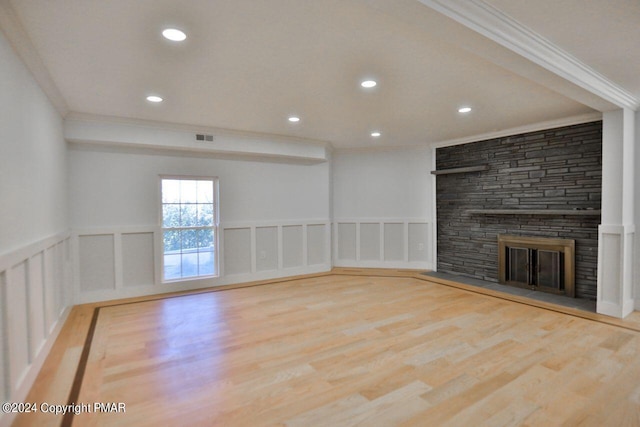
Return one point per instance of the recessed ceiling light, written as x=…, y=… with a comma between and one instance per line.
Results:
x=174, y=34
x=375, y=134
x=294, y=119
x=464, y=109
x=154, y=98
x=368, y=83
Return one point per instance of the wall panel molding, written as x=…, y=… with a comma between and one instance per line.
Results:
x=244, y=241
x=399, y=245
x=34, y=303
x=616, y=298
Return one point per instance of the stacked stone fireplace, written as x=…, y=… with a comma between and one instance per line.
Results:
x=544, y=184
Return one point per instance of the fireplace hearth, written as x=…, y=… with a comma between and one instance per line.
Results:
x=537, y=263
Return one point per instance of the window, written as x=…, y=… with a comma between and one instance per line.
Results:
x=189, y=227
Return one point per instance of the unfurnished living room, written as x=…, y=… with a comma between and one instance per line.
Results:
x=319, y=213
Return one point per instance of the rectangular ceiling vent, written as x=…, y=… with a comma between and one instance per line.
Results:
x=203, y=137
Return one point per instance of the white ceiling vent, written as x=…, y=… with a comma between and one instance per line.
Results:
x=203, y=137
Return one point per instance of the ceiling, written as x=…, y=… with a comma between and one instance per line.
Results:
x=247, y=65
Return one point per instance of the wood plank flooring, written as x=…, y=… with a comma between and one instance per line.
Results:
x=346, y=351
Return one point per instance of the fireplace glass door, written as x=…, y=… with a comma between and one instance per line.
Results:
x=535, y=268
x=549, y=269
x=518, y=271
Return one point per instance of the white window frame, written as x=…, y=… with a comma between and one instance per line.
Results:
x=215, y=227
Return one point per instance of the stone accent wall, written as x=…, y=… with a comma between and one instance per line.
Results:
x=553, y=169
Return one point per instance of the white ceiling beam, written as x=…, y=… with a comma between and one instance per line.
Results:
x=509, y=33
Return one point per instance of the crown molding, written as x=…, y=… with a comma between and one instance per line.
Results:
x=12, y=28
x=490, y=22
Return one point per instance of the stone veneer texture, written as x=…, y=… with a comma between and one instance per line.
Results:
x=552, y=169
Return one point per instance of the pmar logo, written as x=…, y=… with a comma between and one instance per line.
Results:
x=112, y=407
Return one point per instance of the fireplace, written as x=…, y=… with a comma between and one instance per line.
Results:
x=537, y=263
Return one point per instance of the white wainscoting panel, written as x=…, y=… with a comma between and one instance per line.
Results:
x=615, y=270
x=383, y=243
x=292, y=246
x=317, y=236
x=129, y=258
x=237, y=251
x=137, y=259
x=611, y=247
x=370, y=242
x=51, y=291
x=34, y=298
x=394, y=241
x=347, y=240
x=419, y=245
x=35, y=292
x=267, y=248
x=280, y=249
x=97, y=262
x=17, y=313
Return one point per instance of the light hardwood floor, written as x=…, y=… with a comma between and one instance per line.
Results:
x=344, y=350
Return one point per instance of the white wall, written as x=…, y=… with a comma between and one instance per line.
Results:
x=34, y=256
x=112, y=188
x=382, y=208
x=268, y=213
x=32, y=161
x=384, y=184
